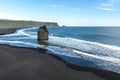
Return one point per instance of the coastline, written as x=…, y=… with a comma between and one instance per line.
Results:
x=33, y=64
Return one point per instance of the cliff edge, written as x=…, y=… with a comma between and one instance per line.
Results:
x=23, y=23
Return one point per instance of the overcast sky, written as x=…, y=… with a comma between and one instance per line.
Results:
x=65, y=12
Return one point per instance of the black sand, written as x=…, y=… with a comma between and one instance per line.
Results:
x=33, y=64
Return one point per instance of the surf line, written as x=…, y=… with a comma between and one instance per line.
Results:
x=115, y=60
x=61, y=41
x=86, y=46
x=21, y=32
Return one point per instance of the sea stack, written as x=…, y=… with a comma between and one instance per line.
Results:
x=42, y=33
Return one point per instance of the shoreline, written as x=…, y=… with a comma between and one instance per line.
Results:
x=19, y=63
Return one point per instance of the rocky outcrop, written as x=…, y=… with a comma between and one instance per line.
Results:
x=42, y=33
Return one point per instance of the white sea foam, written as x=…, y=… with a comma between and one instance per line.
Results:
x=111, y=59
x=22, y=32
x=87, y=46
x=74, y=57
x=15, y=43
x=82, y=45
x=109, y=55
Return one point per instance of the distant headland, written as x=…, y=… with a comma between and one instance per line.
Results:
x=23, y=23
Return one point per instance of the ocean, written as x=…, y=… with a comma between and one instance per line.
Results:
x=95, y=47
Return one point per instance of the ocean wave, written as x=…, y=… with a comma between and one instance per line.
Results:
x=87, y=46
x=82, y=45
x=72, y=50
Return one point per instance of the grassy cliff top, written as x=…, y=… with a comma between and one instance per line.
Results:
x=23, y=23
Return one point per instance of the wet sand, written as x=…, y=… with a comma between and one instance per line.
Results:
x=33, y=64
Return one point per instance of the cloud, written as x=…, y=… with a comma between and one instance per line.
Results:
x=53, y=5
x=76, y=9
x=107, y=9
x=65, y=7
x=9, y=16
x=108, y=5
x=13, y=17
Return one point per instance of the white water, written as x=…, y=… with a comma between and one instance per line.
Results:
x=107, y=57
x=86, y=46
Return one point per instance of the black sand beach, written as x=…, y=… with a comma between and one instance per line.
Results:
x=33, y=64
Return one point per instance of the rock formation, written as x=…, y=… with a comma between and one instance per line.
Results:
x=42, y=33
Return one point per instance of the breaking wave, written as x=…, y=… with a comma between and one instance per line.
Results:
x=71, y=50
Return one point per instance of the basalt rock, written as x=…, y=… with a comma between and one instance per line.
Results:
x=42, y=33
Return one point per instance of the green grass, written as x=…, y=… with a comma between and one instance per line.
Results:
x=22, y=23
